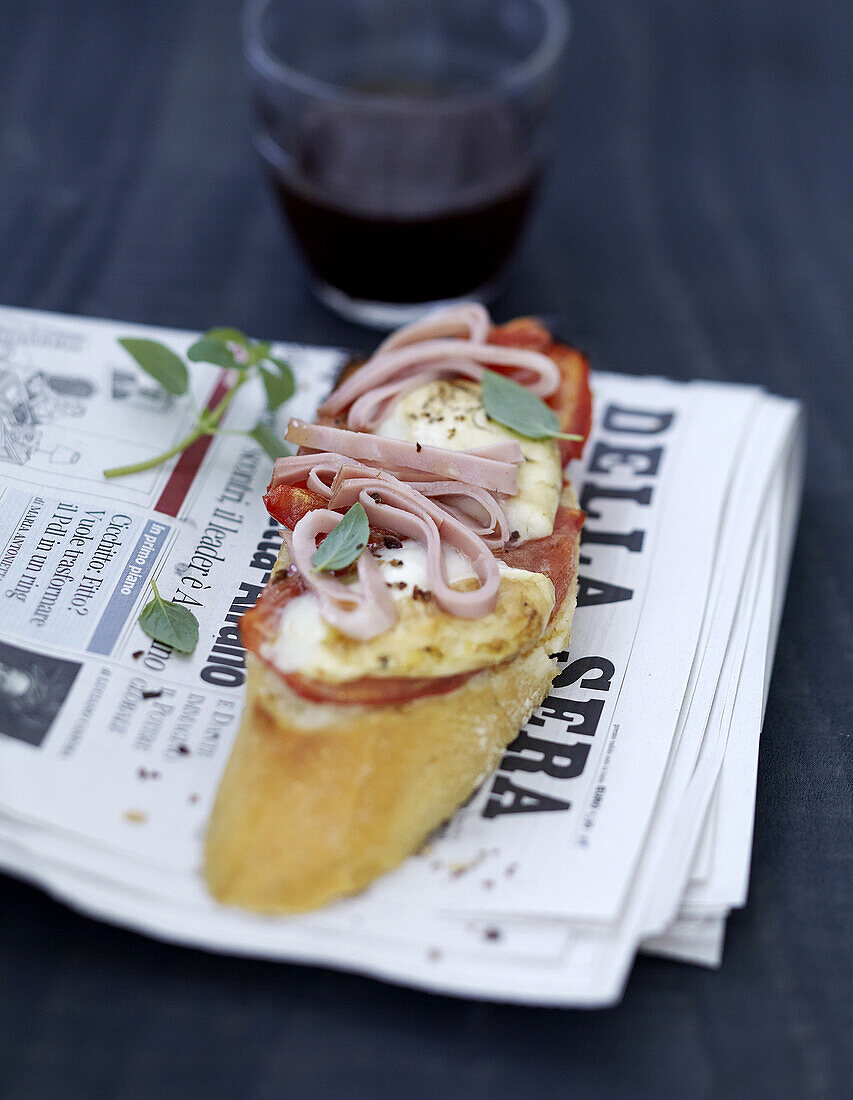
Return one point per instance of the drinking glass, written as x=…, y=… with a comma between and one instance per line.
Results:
x=404, y=138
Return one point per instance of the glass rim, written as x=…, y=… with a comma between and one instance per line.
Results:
x=535, y=65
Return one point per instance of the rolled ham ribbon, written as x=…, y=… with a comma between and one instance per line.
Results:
x=429, y=350
x=463, y=503
x=468, y=320
x=477, y=508
x=402, y=510
x=494, y=467
x=358, y=614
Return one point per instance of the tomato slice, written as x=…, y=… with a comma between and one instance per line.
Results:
x=554, y=555
x=523, y=332
x=573, y=400
x=374, y=691
x=289, y=503
x=260, y=623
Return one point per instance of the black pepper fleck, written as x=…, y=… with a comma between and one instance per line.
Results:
x=492, y=934
x=137, y=654
x=183, y=750
x=421, y=594
x=155, y=694
x=418, y=448
x=391, y=543
x=514, y=536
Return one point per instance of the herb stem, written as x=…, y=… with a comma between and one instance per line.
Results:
x=149, y=463
x=217, y=414
x=208, y=424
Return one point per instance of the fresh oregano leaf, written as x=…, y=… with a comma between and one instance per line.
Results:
x=282, y=366
x=228, y=336
x=212, y=351
x=263, y=434
x=169, y=623
x=224, y=347
x=516, y=407
x=342, y=546
x=259, y=351
x=161, y=363
x=279, y=387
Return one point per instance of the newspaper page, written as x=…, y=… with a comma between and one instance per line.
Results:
x=111, y=746
x=720, y=869
x=86, y=693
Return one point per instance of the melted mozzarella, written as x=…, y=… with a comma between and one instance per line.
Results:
x=425, y=641
x=450, y=414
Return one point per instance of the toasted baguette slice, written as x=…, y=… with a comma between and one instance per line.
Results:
x=320, y=799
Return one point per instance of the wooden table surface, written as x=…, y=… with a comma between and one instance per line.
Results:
x=697, y=222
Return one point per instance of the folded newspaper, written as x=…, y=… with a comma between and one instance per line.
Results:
x=619, y=820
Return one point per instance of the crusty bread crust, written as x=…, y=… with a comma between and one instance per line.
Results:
x=319, y=799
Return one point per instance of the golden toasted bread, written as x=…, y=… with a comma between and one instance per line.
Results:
x=318, y=799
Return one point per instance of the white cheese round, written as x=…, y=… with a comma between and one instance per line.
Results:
x=449, y=413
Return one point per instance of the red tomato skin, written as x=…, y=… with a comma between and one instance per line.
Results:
x=548, y=555
x=289, y=503
x=572, y=401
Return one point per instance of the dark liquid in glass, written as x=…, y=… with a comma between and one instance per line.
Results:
x=409, y=208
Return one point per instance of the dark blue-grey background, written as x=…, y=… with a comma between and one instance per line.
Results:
x=698, y=222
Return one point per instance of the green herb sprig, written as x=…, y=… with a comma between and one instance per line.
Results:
x=344, y=543
x=169, y=623
x=516, y=407
x=221, y=347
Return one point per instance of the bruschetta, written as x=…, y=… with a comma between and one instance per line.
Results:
x=388, y=673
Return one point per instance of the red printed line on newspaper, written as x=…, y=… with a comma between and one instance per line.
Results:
x=176, y=488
